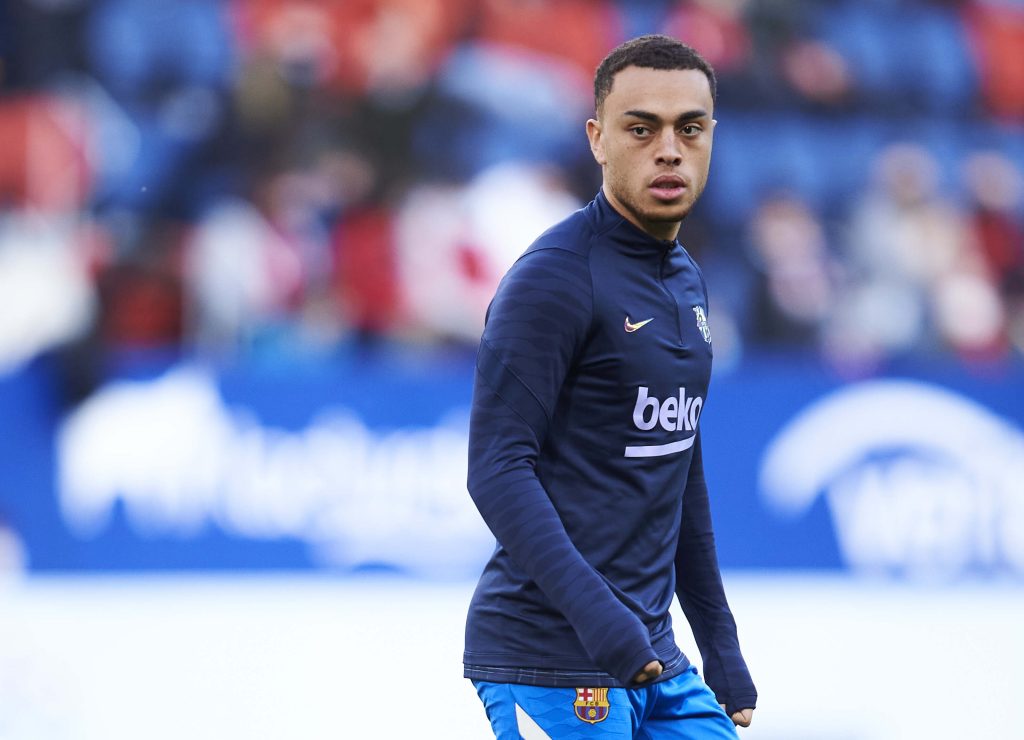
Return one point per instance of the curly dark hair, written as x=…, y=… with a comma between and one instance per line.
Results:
x=653, y=51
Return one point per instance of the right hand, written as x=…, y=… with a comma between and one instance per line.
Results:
x=650, y=671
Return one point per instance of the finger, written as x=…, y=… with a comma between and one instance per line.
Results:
x=743, y=717
x=651, y=670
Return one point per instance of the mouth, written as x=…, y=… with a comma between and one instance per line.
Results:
x=667, y=187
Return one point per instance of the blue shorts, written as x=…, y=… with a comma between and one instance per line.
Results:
x=678, y=708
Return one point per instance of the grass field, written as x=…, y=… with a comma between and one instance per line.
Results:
x=301, y=657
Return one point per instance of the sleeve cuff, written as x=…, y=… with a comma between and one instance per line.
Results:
x=635, y=665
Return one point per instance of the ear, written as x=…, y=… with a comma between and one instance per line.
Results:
x=594, y=135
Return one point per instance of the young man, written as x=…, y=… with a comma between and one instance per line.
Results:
x=584, y=451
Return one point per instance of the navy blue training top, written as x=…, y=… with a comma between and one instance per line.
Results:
x=585, y=462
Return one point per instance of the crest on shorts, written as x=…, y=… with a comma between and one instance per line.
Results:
x=702, y=323
x=591, y=705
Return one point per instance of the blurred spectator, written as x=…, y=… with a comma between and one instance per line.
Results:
x=366, y=277
x=245, y=275
x=902, y=227
x=43, y=158
x=361, y=47
x=785, y=54
x=141, y=306
x=793, y=288
x=455, y=243
x=901, y=56
x=817, y=72
x=360, y=74
x=716, y=28
x=916, y=278
x=47, y=296
x=996, y=189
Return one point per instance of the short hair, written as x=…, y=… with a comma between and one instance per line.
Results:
x=653, y=51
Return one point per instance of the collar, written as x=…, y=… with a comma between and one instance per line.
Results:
x=608, y=221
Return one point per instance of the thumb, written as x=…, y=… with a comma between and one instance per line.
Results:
x=742, y=717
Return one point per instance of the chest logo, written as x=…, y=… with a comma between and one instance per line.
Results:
x=592, y=705
x=702, y=323
x=631, y=327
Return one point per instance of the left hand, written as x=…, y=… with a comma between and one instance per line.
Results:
x=742, y=717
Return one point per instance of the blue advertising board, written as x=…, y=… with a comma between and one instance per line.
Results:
x=359, y=463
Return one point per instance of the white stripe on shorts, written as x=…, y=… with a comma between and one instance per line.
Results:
x=527, y=727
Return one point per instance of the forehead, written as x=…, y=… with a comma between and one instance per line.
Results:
x=666, y=92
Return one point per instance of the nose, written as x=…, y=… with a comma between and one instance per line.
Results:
x=669, y=152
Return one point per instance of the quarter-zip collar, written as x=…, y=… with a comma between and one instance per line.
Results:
x=606, y=220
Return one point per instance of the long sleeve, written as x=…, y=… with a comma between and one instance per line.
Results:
x=536, y=324
x=702, y=596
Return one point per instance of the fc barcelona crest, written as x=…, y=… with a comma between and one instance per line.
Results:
x=592, y=705
x=702, y=323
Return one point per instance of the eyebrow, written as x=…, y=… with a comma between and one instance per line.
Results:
x=690, y=115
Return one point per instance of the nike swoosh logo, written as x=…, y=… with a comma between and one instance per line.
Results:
x=631, y=327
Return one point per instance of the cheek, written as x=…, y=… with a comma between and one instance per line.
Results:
x=701, y=161
x=625, y=160
x=706, y=154
x=624, y=175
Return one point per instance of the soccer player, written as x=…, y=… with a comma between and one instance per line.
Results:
x=585, y=450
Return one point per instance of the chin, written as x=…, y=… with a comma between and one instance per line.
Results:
x=668, y=214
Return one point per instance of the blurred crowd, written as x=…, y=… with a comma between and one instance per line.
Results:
x=238, y=177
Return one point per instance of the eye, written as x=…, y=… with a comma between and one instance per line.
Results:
x=640, y=130
x=690, y=129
